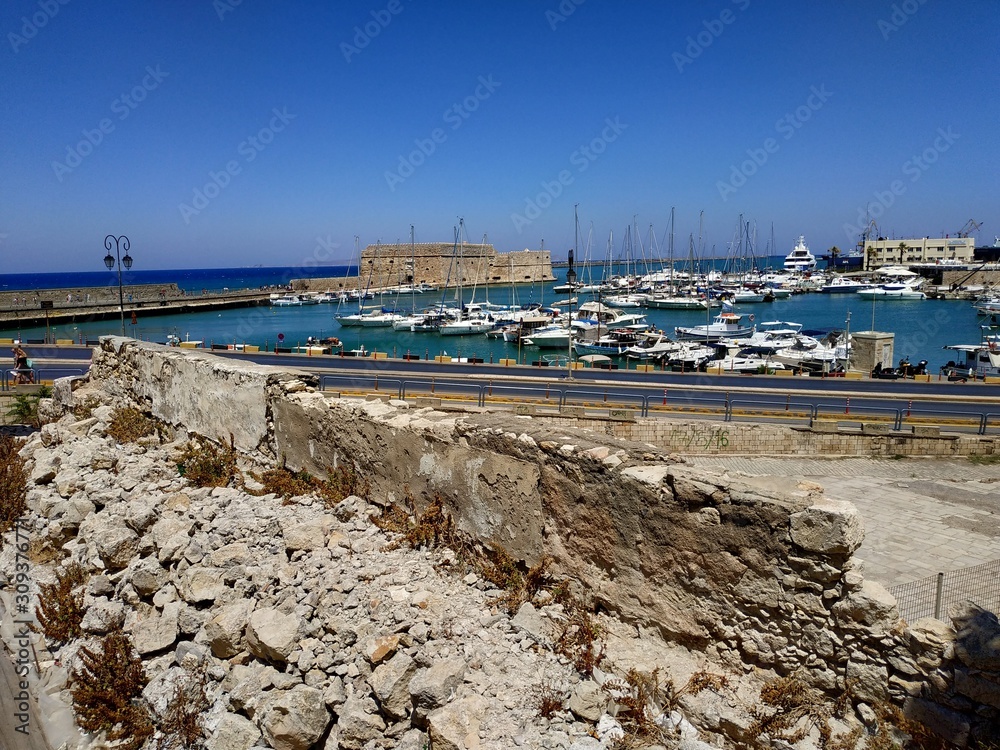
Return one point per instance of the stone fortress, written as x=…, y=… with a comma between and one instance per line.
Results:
x=439, y=264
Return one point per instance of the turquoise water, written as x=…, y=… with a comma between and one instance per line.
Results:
x=922, y=327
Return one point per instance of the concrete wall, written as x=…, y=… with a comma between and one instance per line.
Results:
x=749, y=576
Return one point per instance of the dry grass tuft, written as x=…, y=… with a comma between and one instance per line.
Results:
x=285, y=483
x=548, y=698
x=107, y=691
x=581, y=640
x=206, y=464
x=13, y=484
x=129, y=424
x=182, y=727
x=60, y=605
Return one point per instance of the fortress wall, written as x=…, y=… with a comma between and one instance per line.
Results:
x=750, y=576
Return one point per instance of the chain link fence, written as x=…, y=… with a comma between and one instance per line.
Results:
x=934, y=596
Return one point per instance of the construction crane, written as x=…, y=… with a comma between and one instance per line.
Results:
x=970, y=226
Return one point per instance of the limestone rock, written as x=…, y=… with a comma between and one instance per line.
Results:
x=977, y=637
x=156, y=632
x=870, y=606
x=868, y=681
x=309, y=535
x=202, y=585
x=947, y=724
x=147, y=577
x=295, y=719
x=102, y=616
x=587, y=701
x=272, y=635
x=233, y=732
x=391, y=684
x=830, y=527
x=535, y=624
x=358, y=723
x=379, y=649
x=456, y=726
x=225, y=630
x=434, y=686
x=117, y=544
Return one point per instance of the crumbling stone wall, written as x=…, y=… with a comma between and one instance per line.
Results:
x=750, y=576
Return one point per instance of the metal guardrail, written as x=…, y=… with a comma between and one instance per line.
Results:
x=726, y=406
x=934, y=595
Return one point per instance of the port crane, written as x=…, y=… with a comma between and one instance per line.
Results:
x=970, y=226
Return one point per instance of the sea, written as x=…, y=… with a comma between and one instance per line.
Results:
x=922, y=328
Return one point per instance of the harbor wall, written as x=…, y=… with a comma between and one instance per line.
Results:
x=752, y=577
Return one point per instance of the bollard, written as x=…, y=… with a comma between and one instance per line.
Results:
x=664, y=396
x=432, y=385
x=909, y=407
x=393, y=351
x=376, y=381
x=491, y=387
x=788, y=399
x=605, y=395
x=847, y=406
x=427, y=354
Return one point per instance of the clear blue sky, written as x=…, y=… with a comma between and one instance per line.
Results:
x=300, y=124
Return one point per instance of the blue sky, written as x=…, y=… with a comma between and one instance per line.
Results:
x=240, y=133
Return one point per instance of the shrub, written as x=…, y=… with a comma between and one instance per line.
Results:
x=60, y=605
x=13, y=484
x=208, y=464
x=129, y=424
x=548, y=698
x=25, y=408
x=106, y=692
x=182, y=725
x=285, y=483
x=580, y=640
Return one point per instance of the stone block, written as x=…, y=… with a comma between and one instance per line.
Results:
x=573, y=411
x=621, y=415
x=875, y=428
x=430, y=401
x=926, y=431
x=524, y=409
x=828, y=527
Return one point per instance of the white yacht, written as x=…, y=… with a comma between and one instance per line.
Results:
x=800, y=259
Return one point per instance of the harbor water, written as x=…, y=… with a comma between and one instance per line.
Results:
x=921, y=327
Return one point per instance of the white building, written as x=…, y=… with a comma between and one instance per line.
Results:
x=901, y=252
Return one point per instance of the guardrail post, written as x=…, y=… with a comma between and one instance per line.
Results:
x=937, y=596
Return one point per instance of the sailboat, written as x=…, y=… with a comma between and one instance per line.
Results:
x=373, y=319
x=465, y=326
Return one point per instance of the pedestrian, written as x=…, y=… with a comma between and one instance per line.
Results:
x=21, y=367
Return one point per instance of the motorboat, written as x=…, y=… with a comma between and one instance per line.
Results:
x=905, y=290
x=843, y=285
x=727, y=324
x=800, y=259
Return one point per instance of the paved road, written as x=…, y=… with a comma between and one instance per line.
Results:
x=922, y=516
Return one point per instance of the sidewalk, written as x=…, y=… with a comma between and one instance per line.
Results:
x=922, y=516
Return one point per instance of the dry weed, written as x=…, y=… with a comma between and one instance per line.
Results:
x=60, y=605
x=13, y=484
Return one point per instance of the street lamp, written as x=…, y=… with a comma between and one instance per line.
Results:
x=571, y=283
x=109, y=261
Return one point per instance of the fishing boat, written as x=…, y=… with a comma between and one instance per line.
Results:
x=800, y=259
x=974, y=361
x=726, y=325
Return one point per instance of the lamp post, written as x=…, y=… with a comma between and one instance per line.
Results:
x=110, y=260
x=571, y=283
